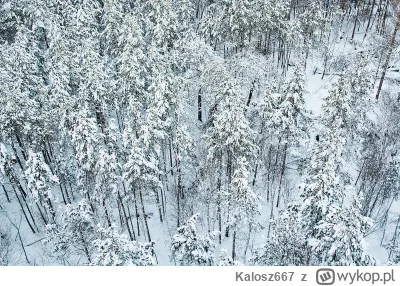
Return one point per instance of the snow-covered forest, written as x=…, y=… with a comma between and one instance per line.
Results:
x=199, y=132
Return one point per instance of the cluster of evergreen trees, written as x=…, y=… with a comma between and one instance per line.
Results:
x=124, y=120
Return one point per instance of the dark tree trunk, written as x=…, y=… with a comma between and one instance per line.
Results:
x=234, y=246
x=390, y=50
x=199, y=107
x=144, y=215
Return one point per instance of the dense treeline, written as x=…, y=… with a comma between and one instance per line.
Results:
x=127, y=122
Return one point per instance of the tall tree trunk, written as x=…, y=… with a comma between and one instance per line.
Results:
x=106, y=212
x=355, y=21
x=394, y=239
x=271, y=216
x=250, y=93
x=85, y=248
x=234, y=245
x=199, y=107
x=247, y=242
x=5, y=192
x=158, y=205
x=390, y=50
x=369, y=18
x=281, y=176
x=219, y=213
x=24, y=213
x=132, y=235
x=229, y=173
x=137, y=213
x=144, y=215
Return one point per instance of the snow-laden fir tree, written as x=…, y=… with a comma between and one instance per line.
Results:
x=327, y=185
x=115, y=249
x=244, y=202
x=82, y=129
x=228, y=138
x=286, y=116
x=41, y=180
x=226, y=260
x=21, y=84
x=358, y=81
x=107, y=180
x=230, y=132
x=190, y=248
x=286, y=244
x=130, y=63
x=76, y=233
x=292, y=106
x=341, y=237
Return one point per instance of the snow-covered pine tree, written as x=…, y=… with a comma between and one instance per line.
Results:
x=341, y=236
x=226, y=260
x=190, y=248
x=312, y=15
x=286, y=244
x=230, y=132
x=228, y=138
x=359, y=80
x=21, y=85
x=41, y=180
x=327, y=186
x=107, y=180
x=289, y=120
x=114, y=249
x=184, y=155
x=130, y=63
x=76, y=233
x=244, y=202
x=239, y=17
x=83, y=130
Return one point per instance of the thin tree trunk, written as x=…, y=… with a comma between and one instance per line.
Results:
x=394, y=239
x=85, y=248
x=5, y=192
x=390, y=50
x=247, y=242
x=199, y=107
x=62, y=194
x=20, y=240
x=369, y=19
x=121, y=219
x=131, y=236
x=219, y=209
x=268, y=172
x=234, y=246
x=23, y=152
x=355, y=21
x=229, y=173
x=170, y=159
x=137, y=213
x=384, y=18
x=106, y=212
x=250, y=93
x=359, y=174
x=144, y=215
x=159, y=205
x=271, y=217
x=24, y=213
x=130, y=220
x=281, y=177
